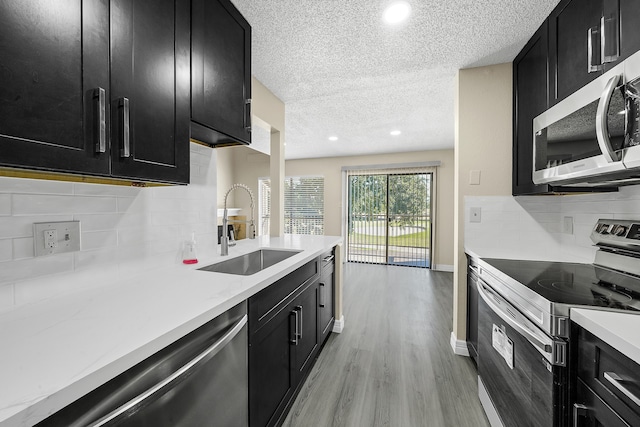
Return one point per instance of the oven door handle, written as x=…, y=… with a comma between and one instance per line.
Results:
x=543, y=343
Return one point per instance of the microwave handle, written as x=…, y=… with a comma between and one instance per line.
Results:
x=602, y=132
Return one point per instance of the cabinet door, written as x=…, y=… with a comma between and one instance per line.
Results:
x=325, y=304
x=271, y=370
x=530, y=89
x=629, y=27
x=569, y=24
x=54, y=59
x=306, y=348
x=150, y=89
x=221, y=73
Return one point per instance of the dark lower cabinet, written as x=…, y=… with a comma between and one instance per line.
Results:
x=607, y=383
x=472, y=308
x=326, y=293
x=54, y=85
x=285, y=337
x=220, y=74
x=96, y=87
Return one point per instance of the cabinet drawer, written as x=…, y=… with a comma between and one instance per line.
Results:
x=611, y=375
x=265, y=304
x=591, y=410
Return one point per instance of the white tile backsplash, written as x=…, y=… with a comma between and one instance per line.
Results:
x=537, y=233
x=125, y=230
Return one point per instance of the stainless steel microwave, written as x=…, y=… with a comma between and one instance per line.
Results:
x=592, y=138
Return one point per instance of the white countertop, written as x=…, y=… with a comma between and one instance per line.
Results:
x=620, y=330
x=55, y=351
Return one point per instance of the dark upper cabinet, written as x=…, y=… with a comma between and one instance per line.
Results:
x=530, y=84
x=80, y=79
x=220, y=73
x=569, y=48
x=150, y=43
x=54, y=85
x=629, y=27
x=612, y=27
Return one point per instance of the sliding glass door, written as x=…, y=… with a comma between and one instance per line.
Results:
x=389, y=218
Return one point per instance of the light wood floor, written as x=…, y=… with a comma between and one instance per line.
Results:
x=393, y=364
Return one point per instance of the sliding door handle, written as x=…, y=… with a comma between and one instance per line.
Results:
x=125, y=143
x=100, y=120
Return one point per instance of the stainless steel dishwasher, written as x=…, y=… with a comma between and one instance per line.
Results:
x=200, y=380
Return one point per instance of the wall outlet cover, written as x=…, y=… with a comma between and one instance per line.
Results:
x=56, y=237
x=475, y=214
x=567, y=225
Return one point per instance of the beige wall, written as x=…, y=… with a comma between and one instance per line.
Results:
x=250, y=165
x=483, y=142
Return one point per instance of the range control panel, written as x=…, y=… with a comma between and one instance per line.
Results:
x=616, y=232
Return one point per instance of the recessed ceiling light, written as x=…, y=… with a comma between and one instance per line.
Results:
x=333, y=138
x=395, y=132
x=396, y=12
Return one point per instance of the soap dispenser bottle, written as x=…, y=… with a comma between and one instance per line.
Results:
x=189, y=251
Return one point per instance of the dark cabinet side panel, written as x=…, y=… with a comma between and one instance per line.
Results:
x=150, y=68
x=629, y=27
x=53, y=54
x=530, y=89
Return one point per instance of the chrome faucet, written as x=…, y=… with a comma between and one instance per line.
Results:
x=224, y=241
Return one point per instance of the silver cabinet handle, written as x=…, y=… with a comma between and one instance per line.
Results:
x=100, y=125
x=299, y=309
x=328, y=258
x=602, y=132
x=579, y=410
x=321, y=296
x=247, y=115
x=606, y=43
x=294, y=340
x=616, y=381
x=171, y=380
x=123, y=105
x=592, y=34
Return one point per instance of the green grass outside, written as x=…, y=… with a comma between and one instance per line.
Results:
x=420, y=239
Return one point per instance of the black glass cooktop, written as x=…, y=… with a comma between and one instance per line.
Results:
x=573, y=283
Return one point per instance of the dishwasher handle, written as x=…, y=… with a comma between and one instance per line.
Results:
x=176, y=377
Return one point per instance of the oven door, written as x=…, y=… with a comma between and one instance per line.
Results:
x=524, y=388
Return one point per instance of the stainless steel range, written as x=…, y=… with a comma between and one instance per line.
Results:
x=524, y=325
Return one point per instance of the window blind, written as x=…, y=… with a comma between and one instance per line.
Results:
x=303, y=205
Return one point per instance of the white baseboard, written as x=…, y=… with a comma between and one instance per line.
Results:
x=487, y=405
x=459, y=346
x=338, y=325
x=443, y=267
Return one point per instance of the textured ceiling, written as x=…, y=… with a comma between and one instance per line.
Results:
x=341, y=71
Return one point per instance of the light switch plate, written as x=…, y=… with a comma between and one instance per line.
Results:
x=474, y=177
x=475, y=214
x=56, y=237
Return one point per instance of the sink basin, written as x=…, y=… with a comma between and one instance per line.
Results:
x=251, y=263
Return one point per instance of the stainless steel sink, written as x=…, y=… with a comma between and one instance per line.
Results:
x=251, y=263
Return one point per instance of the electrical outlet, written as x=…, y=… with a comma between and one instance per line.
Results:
x=475, y=214
x=50, y=239
x=56, y=237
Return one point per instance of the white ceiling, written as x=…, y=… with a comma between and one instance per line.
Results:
x=340, y=70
